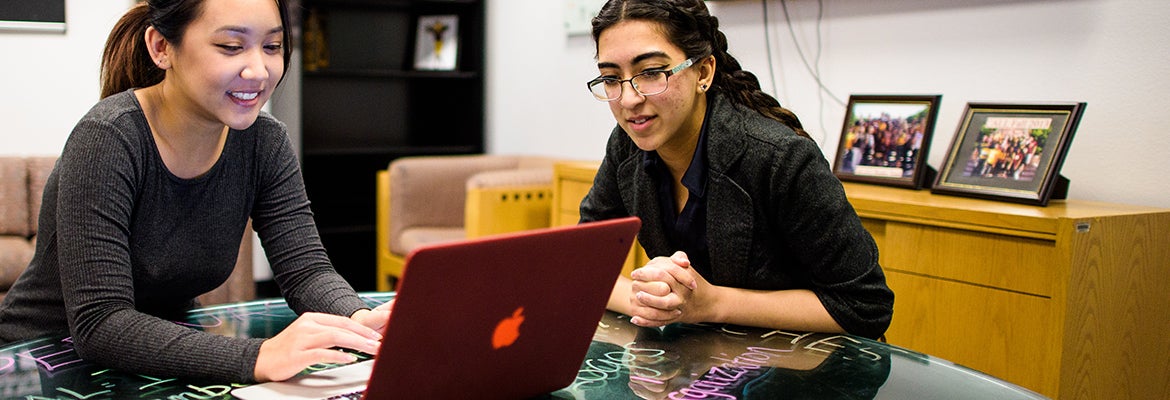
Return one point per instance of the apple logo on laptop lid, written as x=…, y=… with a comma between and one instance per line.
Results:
x=508, y=330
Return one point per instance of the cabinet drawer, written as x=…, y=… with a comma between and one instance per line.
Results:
x=999, y=261
x=877, y=229
x=1012, y=336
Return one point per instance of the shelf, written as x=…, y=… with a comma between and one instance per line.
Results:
x=363, y=105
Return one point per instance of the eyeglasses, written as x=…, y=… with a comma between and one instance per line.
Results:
x=647, y=83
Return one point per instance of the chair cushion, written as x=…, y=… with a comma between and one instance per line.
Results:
x=39, y=169
x=14, y=207
x=15, y=254
x=415, y=237
x=535, y=162
x=510, y=177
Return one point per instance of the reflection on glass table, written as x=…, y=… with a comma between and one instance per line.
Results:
x=624, y=361
x=731, y=362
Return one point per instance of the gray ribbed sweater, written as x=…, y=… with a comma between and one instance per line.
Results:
x=124, y=245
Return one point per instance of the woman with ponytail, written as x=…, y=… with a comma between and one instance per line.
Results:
x=742, y=217
x=151, y=195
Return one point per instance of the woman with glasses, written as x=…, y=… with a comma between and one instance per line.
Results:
x=743, y=219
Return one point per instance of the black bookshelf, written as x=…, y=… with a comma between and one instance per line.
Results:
x=363, y=104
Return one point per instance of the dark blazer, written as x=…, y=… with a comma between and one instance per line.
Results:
x=777, y=217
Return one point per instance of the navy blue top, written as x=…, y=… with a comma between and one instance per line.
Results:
x=688, y=232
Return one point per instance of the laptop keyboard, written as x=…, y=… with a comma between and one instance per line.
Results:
x=348, y=396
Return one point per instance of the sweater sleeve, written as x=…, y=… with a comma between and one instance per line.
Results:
x=98, y=187
x=841, y=256
x=283, y=219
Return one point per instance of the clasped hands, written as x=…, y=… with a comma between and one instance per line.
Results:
x=667, y=290
x=313, y=338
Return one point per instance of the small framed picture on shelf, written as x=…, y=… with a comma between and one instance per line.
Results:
x=437, y=46
x=885, y=139
x=1010, y=152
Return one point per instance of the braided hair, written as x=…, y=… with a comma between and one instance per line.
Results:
x=689, y=26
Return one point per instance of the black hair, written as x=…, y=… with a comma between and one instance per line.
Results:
x=126, y=62
x=689, y=26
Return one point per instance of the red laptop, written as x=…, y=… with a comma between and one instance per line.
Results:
x=501, y=317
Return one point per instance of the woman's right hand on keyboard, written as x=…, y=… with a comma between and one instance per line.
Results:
x=313, y=338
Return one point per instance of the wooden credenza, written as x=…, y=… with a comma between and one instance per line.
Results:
x=1071, y=300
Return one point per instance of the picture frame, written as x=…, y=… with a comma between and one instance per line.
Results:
x=437, y=43
x=885, y=140
x=41, y=16
x=1010, y=152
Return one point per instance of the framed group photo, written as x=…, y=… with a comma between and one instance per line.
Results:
x=885, y=140
x=437, y=45
x=1010, y=152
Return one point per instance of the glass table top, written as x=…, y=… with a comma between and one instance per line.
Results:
x=680, y=361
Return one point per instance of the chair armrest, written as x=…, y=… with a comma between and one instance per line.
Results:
x=506, y=178
x=382, y=211
x=508, y=201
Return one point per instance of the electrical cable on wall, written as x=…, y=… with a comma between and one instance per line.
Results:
x=813, y=71
x=817, y=68
x=768, y=48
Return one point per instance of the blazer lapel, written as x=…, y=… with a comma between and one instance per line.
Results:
x=730, y=221
x=640, y=197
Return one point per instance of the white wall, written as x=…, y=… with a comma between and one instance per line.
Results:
x=1112, y=54
x=537, y=100
x=48, y=81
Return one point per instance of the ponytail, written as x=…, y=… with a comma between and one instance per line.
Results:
x=742, y=86
x=126, y=63
x=692, y=28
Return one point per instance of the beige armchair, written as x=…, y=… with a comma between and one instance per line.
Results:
x=22, y=184
x=430, y=199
